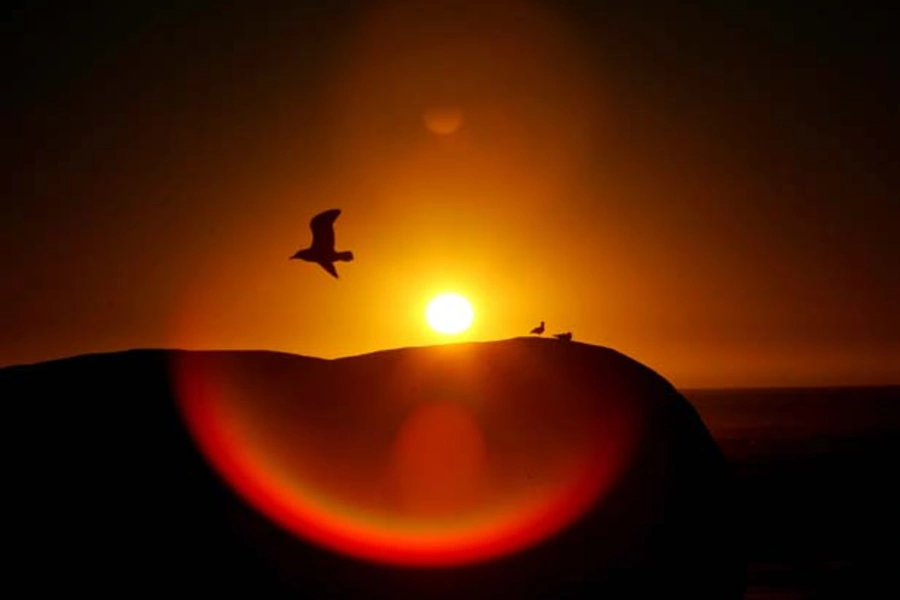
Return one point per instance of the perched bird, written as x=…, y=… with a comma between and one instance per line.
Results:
x=566, y=337
x=539, y=329
x=321, y=250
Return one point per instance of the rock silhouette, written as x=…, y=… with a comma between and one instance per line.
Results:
x=539, y=330
x=321, y=251
x=565, y=337
x=117, y=480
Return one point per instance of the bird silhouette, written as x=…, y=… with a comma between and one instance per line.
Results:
x=539, y=329
x=565, y=337
x=321, y=250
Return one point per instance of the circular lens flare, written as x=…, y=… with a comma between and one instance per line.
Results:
x=439, y=461
x=449, y=314
x=446, y=481
x=443, y=120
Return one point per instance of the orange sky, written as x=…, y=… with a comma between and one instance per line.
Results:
x=594, y=183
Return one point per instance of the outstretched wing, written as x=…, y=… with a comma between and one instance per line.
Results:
x=329, y=267
x=322, y=226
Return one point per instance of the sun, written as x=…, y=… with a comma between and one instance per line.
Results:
x=449, y=313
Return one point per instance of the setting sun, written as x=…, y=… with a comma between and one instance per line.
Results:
x=449, y=313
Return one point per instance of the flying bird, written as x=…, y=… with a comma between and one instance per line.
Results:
x=565, y=337
x=539, y=329
x=321, y=250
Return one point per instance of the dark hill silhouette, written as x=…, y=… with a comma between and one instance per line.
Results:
x=109, y=492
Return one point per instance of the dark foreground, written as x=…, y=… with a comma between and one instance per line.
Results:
x=818, y=471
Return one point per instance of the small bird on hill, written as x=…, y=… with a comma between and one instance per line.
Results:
x=565, y=337
x=321, y=250
x=539, y=329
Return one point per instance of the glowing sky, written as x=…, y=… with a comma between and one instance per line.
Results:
x=710, y=190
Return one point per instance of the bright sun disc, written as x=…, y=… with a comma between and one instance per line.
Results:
x=449, y=313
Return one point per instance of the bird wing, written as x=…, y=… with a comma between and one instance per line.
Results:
x=322, y=226
x=330, y=268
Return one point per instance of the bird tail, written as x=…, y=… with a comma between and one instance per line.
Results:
x=344, y=256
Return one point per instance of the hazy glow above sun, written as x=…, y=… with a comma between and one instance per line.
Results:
x=449, y=313
x=443, y=120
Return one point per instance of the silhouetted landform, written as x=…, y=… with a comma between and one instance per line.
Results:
x=321, y=250
x=109, y=493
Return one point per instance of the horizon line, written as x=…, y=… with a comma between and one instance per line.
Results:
x=682, y=388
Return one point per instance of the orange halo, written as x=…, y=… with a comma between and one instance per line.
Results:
x=207, y=402
x=443, y=120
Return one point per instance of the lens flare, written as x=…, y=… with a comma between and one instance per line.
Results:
x=391, y=471
x=443, y=120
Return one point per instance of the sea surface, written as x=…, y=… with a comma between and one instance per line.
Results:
x=819, y=471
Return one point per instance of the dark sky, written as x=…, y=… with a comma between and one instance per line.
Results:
x=712, y=189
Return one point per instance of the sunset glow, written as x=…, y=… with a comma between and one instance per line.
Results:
x=536, y=157
x=452, y=299
x=449, y=314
